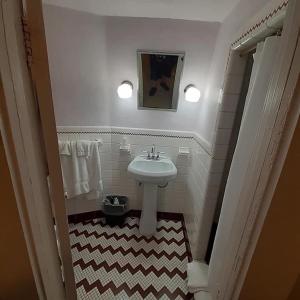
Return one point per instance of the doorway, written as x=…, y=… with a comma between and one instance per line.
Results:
x=248, y=58
x=44, y=108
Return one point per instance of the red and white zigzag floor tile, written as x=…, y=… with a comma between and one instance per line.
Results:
x=120, y=263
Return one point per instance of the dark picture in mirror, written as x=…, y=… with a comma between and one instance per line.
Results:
x=159, y=77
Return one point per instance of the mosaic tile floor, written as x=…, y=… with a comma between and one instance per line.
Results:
x=119, y=263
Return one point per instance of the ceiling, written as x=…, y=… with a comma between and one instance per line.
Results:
x=200, y=10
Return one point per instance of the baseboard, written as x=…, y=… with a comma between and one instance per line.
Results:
x=76, y=218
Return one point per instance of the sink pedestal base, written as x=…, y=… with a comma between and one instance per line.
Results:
x=148, y=218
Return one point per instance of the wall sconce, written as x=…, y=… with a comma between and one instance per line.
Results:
x=125, y=90
x=192, y=94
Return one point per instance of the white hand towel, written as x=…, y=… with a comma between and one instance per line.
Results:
x=83, y=147
x=94, y=168
x=81, y=173
x=64, y=147
x=75, y=173
x=197, y=276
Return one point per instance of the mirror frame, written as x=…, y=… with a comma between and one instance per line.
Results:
x=179, y=70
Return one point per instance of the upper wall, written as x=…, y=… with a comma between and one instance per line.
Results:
x=76, y=45
x=237, y=19
x=126, y=35
x=91, y=55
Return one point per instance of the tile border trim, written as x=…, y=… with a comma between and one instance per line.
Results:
x=189, y=135
x=260, y=22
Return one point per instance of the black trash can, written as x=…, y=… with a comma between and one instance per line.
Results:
x=115, y=208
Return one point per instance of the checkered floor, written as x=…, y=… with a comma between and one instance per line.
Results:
x=119, y=263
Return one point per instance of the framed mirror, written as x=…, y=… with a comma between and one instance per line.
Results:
x=159, y=78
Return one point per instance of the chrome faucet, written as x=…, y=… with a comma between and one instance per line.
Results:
x=155, y=155
x=153, y=152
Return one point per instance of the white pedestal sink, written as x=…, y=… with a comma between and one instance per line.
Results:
x=152, y=173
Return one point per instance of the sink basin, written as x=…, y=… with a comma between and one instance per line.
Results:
x=152, y=171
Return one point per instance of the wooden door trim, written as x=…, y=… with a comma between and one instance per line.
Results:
x=12, y=161
x=26, y=141
x=42, y=84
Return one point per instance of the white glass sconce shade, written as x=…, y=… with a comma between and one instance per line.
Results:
x=192, y=94
x=125, y=90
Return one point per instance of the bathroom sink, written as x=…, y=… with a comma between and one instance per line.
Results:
x=155, y=171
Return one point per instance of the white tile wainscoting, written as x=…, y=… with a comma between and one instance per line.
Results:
x=194, y=192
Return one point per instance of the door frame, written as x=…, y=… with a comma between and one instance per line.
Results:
x=284, y=127
x=21, y=140
x=40, y=75
x=276, y=132
x=30, y=141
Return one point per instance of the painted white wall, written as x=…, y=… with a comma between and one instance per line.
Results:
x=229, y=29
x=78, y=67
x=126, y=35
x=90, y=55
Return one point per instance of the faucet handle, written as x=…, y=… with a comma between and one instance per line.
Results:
x=148, y=153
x=158, y=154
